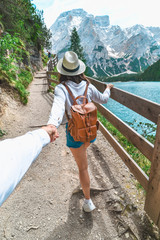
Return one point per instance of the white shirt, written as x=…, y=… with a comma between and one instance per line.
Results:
x=63, y=101
x=16, y=156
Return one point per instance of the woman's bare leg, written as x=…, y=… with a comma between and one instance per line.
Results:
x=80, y=155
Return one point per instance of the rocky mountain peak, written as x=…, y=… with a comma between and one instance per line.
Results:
x=108, y=49
x=102, y=21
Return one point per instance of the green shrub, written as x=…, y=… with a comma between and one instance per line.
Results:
x=44, y=58
x=2, y=132
x=10, y=65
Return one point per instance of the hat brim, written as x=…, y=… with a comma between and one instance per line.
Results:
x=81, y=69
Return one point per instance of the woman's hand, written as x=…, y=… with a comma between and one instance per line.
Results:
x=110, y=86
x=52, y=131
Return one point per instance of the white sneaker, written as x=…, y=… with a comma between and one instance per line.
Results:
x=88, y=205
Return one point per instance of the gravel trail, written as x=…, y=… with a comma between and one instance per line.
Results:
x=47, y=204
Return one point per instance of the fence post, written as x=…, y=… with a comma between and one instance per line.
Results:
x=152, y=203
x=48, y=77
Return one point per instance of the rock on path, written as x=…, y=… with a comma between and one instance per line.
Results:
x=47, y=204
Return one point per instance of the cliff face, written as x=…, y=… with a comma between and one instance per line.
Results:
x=109, y=49
x=35, y=59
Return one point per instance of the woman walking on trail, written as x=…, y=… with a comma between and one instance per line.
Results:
x=71, y=72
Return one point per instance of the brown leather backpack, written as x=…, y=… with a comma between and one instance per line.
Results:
x=83, y=125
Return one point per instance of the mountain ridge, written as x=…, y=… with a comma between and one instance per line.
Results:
x=152, y=73
x=109, y=49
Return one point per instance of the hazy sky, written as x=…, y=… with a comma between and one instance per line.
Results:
x=124, y=13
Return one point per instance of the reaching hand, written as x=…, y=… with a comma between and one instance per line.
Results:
x=52, y=131
x=110, y=86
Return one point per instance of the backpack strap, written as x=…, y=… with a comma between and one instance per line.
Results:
x=73, y=98
x=69, y=91
x=85, y=93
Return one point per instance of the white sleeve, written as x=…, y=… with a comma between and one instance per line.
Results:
x=99, y=97
x=16, y=156
x=58, y=107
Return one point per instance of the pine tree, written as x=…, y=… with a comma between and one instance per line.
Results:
x=76, y=45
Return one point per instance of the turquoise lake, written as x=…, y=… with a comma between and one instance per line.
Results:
x=148, y=90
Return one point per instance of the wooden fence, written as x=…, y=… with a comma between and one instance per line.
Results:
x=151, y=111
x=50, y=67
x=52, y=63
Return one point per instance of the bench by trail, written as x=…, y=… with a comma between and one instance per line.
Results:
x=47, y=204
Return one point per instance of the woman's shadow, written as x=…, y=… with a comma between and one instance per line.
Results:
x=77, y=224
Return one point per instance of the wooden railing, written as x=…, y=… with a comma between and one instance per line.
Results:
x=50, y=80
x=151, y=111
x=52, y=63
x=50, y=67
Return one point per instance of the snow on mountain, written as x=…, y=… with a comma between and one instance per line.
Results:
x=109, y=50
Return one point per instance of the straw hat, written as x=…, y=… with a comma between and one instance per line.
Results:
x=70, y=65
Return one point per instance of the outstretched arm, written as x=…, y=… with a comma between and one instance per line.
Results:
x=99, y=97
x=17, y=154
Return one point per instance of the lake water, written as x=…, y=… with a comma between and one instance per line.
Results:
x=148, y=90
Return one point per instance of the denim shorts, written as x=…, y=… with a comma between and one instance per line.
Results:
x=71, y=143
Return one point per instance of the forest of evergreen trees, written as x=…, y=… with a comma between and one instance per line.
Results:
x=21, y=17
x=152, y=73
